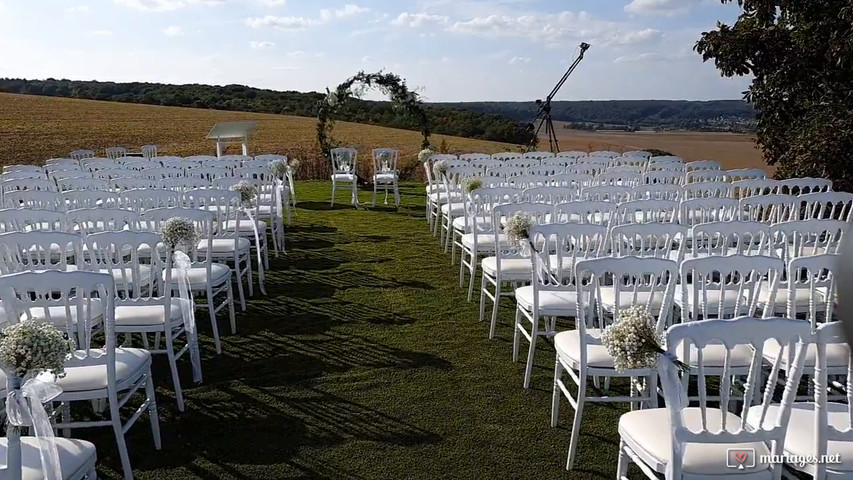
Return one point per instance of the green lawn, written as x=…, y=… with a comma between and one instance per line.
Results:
x=364, y=362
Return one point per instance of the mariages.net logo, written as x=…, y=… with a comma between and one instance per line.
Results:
x=745, y=458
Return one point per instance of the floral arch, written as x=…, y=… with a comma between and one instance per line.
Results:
x=404, y=100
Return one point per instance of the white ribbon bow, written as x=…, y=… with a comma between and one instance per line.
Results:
x=25, y=408
x=279, y=212
x=671, y=381
x=261, y=277
x=183, y=264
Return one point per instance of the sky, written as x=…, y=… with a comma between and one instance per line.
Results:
x=449, y=50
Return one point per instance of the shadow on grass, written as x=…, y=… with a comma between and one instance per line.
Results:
x=324, y=206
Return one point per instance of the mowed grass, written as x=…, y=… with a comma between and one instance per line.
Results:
x=35, y=128
x=364, y=361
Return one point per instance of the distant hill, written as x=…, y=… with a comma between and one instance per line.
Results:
x=715, y=115
x=445, y=120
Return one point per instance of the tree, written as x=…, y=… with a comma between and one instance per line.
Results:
x=800, y=54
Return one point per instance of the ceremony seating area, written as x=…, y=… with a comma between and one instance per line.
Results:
x=688, y=241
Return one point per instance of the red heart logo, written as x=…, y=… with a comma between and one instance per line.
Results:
x=740, y=457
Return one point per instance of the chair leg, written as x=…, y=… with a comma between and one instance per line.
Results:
x=495, y=308
x=557, y=393
x=239, y=283
x=516, y=336
x=576, y=424
x=473, y=274
x=153, y=416
x=249, y=280
x=624, y=461
x=483, y=286
x=374, y=192
x=462, y=269
x=211, y=307
x=115, y=417
x=396, y=194
x=531, y=352
x=333, y=193
x=355, y=193
x=173, y=366
x=231, y=309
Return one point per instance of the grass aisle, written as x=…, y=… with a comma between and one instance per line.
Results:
x=363, y=362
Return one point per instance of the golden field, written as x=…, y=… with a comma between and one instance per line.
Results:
x=34, y=128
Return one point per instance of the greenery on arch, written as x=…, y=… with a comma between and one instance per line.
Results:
x=403, y=99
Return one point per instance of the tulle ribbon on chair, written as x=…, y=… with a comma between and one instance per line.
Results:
x=671, y=382
x=254, y=223
x=25, y=408
x=279, y=212
x=183, y=264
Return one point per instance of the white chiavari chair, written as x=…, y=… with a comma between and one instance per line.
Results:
x=606, y=193
x=385, y=174
x=646, y=211
x=707, y=189
x=345, y=171
x=43, y=200
x=657, y=192
x=700, y=176
x=826, y=205
x=769, y=209
x=803, y=186
x=76, y=199
x=745, y=174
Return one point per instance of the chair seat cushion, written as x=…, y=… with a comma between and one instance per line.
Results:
x=58, y=316
x=715, y=355
x=225, y=245
x=245, y=225
x=485, y=241
x=801, y=296
x=800, y=438
x=389, y=177
x=146, y=315
x=76, y=457
x=649, y=434
x=456, y=209
x=123, y=276
x=441, y=197
x=344, y=177
x=511, y=268
x=608, y=299
x=219, y=273
x=837, y=354
x=90, y=372
x=552, y=303
x=568, y=347
x=712, y=296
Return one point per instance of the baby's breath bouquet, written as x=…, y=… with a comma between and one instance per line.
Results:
x=294, y=164
x=425, y=155
x=470, y=184
x=634, y=341
x=279, y=168
x=247, y=191
x=439, y=168
x=30, y=348
x=179, y=231
x=518, y=228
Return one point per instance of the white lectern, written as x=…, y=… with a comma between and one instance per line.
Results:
x=231, y=133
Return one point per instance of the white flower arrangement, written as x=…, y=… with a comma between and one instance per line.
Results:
x=31, y=347
x=439, y=168
x=425, y=155
x=470, y=184
x=247, y=191
x=332, y=99
x=279, y=168
x=634, y=341
x=294, y=164
x=385, y=160
x=179, y=231
x=518, y=227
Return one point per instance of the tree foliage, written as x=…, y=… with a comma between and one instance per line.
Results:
x=800, y=54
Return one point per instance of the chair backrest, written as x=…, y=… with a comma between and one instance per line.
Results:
x=728, y=286
x=181, y=184
x=549, y=195
x=125, y=184
x=705, y=210
x=486, y=163
x=658, y=240
x=606, y=193
x=137, y=277
x=385, y=160
x=93, y=164
x=546, y=169
x=506, y=171
x=755, y=186
x=39, y=250
x=65, y=184
x=27, y=184
x=525, y=163
x=657, y=192
x=23, y=174
x=539, y=213
x=619, y=178
x=769, y=208
x=344, y=160
x=663, y=177
x=707, y=189
x=745, y=174
x=115, y=152
x=538, y=155
x=802, y=186
x=76, y=199
x=140, y=200
x=527, y=181
x=833, y=421
x=153, y=220
x=800, y=238
x=618, y=283
x=210, y=173
x=637, y=161
x=714, y=423
x=81, y=154
x=646, y=211
x=705, y=175
x=605, y=153
x=32, y=219
x=827, y=205
x=575, y=180
x=637, y=153
x=474, y=156
x=505, y=156
x=225, y=204
x=702, y=165
x=44, y=200
x=149, y=151
x=91, y=220
x=596, y=213
x=815, y=276
x=557, y=247
x=727, y=238
x=572, y=154
x=178, y=162
x=160, y=173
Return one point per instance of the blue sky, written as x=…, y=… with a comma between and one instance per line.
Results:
x=451, y=50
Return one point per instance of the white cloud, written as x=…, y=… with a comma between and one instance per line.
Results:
x=366, y=59
x=103, y=33
x=292, y=24
x=165, y=5
x=516, y=60
x=273, y=3
x=415, y=20
x=350, y=10
x=173, y=31
x=659, y=7
x=261, y=45
x=638, y=37
x=78, y=8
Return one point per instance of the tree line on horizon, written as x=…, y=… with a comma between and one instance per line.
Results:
x=240, y=98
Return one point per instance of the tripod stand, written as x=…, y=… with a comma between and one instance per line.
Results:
x=543, y=116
